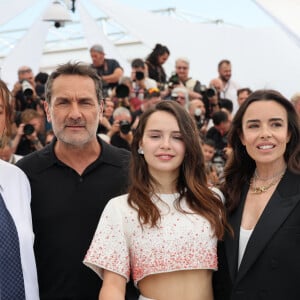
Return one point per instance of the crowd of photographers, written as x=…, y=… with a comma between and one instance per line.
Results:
x=127, y=96
x=148, y=84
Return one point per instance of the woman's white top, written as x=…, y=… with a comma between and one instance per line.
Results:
x=180, y=241
x=15, y=190
x=244, y=238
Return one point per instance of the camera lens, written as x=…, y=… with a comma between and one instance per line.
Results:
x=27, y=88
x=139, y=75
x=28, y=129
x=122, y=91
x=211, y=92
x=125, y=126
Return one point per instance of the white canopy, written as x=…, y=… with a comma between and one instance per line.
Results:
x=261, y=57
x=285, y=13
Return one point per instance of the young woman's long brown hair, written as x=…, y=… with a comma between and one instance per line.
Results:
x=191, y=182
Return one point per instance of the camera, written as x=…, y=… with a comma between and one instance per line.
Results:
x=122, y=91
x=139, y=75
x=125, y=126
x=173, y=80
x=28, y=129
x=27, y=88
x=208, y=92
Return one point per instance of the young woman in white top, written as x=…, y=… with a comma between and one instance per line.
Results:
x=164, y=232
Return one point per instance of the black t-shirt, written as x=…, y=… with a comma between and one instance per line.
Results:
x=117, y=141
x=26, y=146
x=66, y=208
x=107, y=68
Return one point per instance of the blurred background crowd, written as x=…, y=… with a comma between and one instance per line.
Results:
x=212, y=105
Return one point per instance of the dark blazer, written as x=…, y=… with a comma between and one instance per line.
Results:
x=270, y=268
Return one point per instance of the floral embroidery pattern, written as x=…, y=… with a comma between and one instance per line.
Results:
x=180, y=242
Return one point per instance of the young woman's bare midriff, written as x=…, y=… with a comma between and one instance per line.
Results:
x=187, y=285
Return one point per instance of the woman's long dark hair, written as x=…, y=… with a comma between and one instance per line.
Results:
x=158, y=50
x=191, y=184
x=240, y=166
x=155, y=69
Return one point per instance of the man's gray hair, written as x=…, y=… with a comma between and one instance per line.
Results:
x=121, y=111
x=182, y=59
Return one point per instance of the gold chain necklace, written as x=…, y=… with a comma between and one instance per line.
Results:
x=266, y=178
x=263, y=188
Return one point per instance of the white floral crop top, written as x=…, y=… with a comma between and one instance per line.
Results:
x=180, y=242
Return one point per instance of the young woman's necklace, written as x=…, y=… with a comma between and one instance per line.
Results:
x=264, y=188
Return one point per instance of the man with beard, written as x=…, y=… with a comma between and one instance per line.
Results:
x=71, y=181
x=230, y=87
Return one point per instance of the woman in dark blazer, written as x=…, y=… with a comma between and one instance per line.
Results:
x=262, y=187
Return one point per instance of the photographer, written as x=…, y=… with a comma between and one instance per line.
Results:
x=197, y=111
x=140, y=80
x=108, y=69
x=30, y=135
x=182, y=66
x=218, y=133
x=23, y=92
x=121, y=94
x=120, y=133
x=40, y=81
x=211, y=99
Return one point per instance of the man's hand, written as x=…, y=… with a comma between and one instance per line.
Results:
x=127, y=137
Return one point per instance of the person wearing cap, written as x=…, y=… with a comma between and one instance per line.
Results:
x=108, y=69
